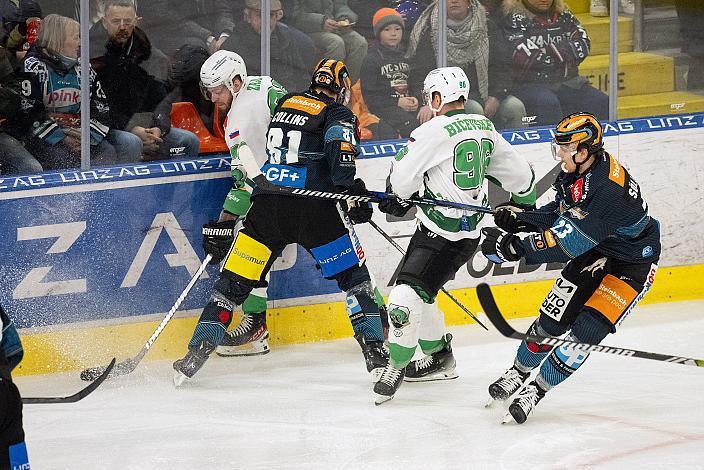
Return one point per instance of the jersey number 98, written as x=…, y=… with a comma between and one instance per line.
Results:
x=471, y=160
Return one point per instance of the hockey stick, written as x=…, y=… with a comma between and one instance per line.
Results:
x=128, y=365
x=79, y=395
x=486, y=298
x=442, y=289
x=372, y=196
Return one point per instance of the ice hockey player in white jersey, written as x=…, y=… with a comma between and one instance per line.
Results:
x=249, y=102
x=450, y=157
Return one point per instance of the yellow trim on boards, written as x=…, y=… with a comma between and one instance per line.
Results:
x=78, y=348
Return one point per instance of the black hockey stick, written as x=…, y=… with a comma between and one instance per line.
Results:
x=442, y=289
x=372, y=196
x=486, y=298
x=128, y=365
x=79, y=395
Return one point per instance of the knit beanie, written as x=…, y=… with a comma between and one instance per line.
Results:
x=384, y=17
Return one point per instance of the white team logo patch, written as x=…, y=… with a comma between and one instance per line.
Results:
x=558, y=298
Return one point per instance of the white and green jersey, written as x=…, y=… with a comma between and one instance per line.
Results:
x=451, y=157
x=246, y=124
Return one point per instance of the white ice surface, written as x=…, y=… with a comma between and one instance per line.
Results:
x=311, y=407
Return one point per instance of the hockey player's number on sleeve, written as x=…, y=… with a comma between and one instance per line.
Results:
x=471, y=159
x=276, y=149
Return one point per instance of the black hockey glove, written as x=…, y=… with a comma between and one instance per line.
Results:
x=358, y=212
x=395, y=206
x=217, y=239
x=506, y=217
x=499, y=246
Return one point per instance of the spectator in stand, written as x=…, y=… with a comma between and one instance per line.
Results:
x=13, y=157
x=329, y=23
x=476, y=45
x=293, y=53
x=365, y=10
x=49, y=119
x=138, y=101
x=548, y=45
x=384, y=79
x=20, y=22
x=174, y=23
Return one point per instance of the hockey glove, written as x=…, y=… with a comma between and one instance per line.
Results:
x=217, y=239
x=506, y=217
x=395, y=206
x=358, y=212
x=499, y=246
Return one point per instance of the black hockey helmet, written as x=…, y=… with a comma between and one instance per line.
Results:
x=333, y=75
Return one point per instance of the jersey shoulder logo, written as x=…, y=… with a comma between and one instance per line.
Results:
x=617, y=174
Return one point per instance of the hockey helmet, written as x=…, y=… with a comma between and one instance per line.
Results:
x=451, y=82
x=333, y=75
x=221, y=68
x=410, y=10
x=582, y=129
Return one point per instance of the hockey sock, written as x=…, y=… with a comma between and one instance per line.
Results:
x=432, y=329
x=405, y=315
x=212, y=324
x=560, y=365
x=254, y=304
x=530, y=355
x=364, y=312
x=589, y=327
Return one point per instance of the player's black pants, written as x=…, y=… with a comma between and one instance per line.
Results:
x=11, y=431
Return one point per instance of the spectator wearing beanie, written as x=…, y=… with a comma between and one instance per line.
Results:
x=384, y=79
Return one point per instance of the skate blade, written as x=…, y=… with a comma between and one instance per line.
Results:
x=179, y=378
x=381, y=399
x=249, y=349
x=448, y=375
x=489, y=403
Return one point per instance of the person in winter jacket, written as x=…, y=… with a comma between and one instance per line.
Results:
x=138, y=101
x=384, y=80
x=548, y=45
x=49, y=120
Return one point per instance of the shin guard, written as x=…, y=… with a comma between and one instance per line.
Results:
x=405, y=315
x=364, y=312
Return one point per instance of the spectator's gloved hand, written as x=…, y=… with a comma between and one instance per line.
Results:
x=506, y=217
x=358, y=212
x=395, y=206
x=499, y=246
x=217, y=238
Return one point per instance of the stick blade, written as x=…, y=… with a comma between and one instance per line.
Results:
x=81, y=394
x=486, y=299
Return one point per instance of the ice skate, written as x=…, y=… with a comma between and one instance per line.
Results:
x=389, y=382
x=507, y=385
x=249, y=338
x=191, y=363
x=376, y=356
x=524, y=403
x=438, y=366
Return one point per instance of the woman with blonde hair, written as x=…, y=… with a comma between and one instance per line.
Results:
x=50, y=119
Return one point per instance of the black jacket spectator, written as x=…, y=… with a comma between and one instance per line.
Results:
x=385, y=77
x=135, y=97
x=293, y=54
x=173, y=23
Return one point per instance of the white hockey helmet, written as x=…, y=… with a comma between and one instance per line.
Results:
x=451, y=82
x=221, y=68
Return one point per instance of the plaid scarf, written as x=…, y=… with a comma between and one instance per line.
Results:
x=467, y=41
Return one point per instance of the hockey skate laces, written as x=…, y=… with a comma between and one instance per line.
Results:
x=390, y=375
x=512, y=378
x=424, y=363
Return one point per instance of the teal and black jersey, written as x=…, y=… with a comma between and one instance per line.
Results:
x=311, y=143
x=601, y=210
